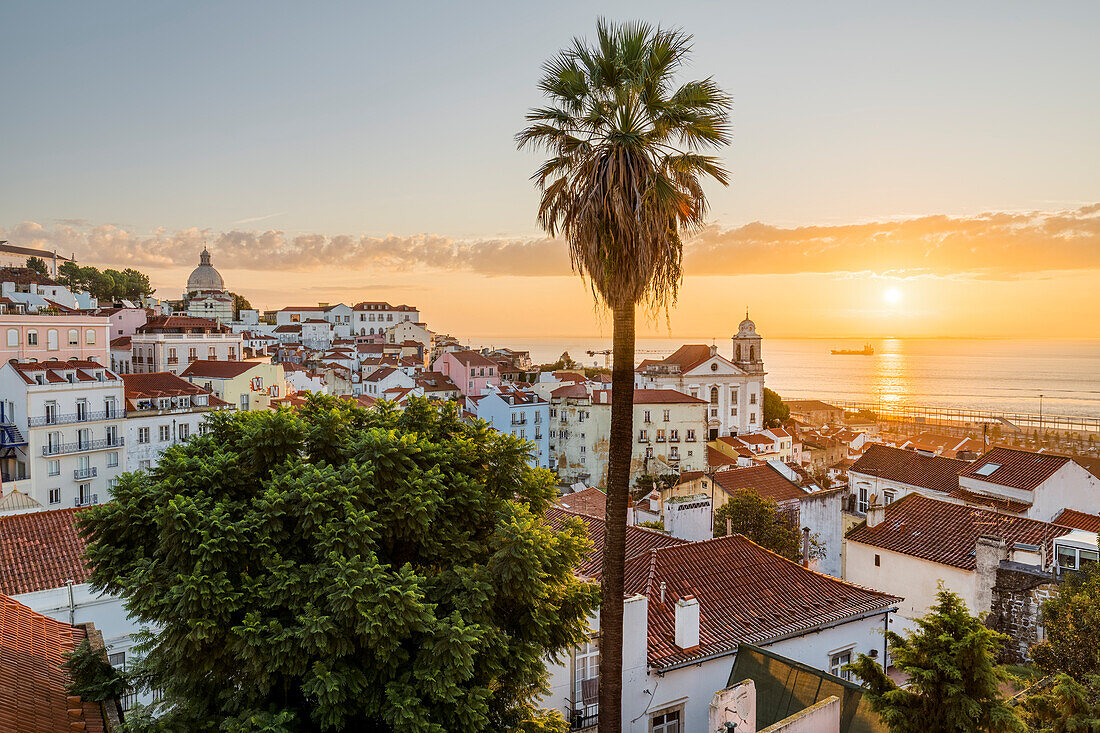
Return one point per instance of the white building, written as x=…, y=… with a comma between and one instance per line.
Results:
x=734, y=388
x=64, y=424
x=54, y=582
x=374, y=317
x=170, y=343
x=689, y=604
x=162, y=410
x=520, y=413
x=668, y=432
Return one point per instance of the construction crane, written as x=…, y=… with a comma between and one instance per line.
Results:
x=608, y=352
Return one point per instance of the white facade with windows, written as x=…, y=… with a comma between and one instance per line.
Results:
x=64, y=431
x=733, y=388
x=161, y=411
x=520, y=413
x=375, y=317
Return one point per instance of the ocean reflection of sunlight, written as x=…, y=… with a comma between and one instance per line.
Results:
x=891, y=384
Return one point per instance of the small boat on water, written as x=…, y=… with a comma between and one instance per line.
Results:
x=867, y=350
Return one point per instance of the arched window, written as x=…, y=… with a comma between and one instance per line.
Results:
x=714, y=395
x=752, y=353
x=74, y=337
x=13, y=337
x=89, y=335
x=738, y=352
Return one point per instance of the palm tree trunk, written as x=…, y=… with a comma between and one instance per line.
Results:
x=614, y=537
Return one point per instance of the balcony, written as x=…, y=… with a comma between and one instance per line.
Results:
x=91, y=500
x=82, y=446
x=173, y=360
x=75, y=417
x=81, y=474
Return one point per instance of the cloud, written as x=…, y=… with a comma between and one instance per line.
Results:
x=989, y=246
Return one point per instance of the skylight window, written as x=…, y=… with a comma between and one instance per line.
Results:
x=987, y=469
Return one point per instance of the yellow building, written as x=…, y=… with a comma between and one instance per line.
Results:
x=247, y=385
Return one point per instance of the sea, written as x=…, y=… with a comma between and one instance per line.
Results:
x=977, y=374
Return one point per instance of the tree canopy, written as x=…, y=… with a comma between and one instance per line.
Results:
x=340, y=568
x=774, y=407
x=759, y=519
x=954, y=681
x=106, y=285
x=1072, y=623
x=37, y=264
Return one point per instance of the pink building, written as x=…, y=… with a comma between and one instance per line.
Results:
x=124, y=321
x=472, y=372
x=42, y=338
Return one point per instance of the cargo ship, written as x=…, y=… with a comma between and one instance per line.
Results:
x=867, y=350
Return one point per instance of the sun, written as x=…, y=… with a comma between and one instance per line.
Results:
x=892, y=296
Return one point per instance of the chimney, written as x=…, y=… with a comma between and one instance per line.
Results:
x=876, y=513
x=713, y=349
x=687, y=622
x=988, y=553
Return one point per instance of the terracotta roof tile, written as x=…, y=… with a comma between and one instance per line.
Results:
x=945, y=533
x=746, y=594
x=664, y=397
x=39, y=551
x=217, y=369
x=1078, y=520
x=639, y=540
x=909, y=467
x=762, y=479
x=1018, y=469
x=590, y=501
x=33, y=698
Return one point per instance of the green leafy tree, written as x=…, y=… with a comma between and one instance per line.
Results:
x=345, y=569
x=91, y=676
x=1072, y=623
x=37, y=264
x=1064, y=705
x=775, y=410
x=240, y=303
x=70, y=275
x=954, y=681
x=759, y=519
x=623, y=180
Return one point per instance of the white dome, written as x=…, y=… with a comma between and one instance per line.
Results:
x=204, y=277
x=747, y=329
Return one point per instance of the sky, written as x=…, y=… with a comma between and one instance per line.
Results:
x=897, y=170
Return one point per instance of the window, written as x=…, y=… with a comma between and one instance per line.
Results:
x=878, y=561
x=837, y=660
x=667, y=414
x=586, y=676
x=674, y=453
x=733, y=412
x=660, y=436
x=665, y=722
x=987, y=469
x=673, y=436
x=645, y=416
x=714, y=395
x=55, y=496
x=714, y=366
x=74, y=337
x=211, y=353
x=244, y=403
x=192, y=354
x=887, y=497
x=295, y=318
x=752, y=418
x=752, y=398
x=184, y=431
x=89, y=335
x=165, y=432
x=733, y=394
x=863, y=498
x=144, y=465
x=643, y=436
x=32, y=338
x=143, y=435
x=51, y=339
x=112, y=459
x=53, y=468
x=691, y=435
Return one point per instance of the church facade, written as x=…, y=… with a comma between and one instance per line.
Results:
x=206, y=295
x=733, y=387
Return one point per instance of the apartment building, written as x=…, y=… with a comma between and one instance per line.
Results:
x=170, y=343
x=521, y=413
x=63, y=423
x=43, y=337
x=161, y=411
x=374, y=317
x=247, y=385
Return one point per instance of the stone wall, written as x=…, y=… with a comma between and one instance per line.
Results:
x=1016, y=603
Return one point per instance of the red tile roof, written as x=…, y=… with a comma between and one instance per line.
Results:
x=122, y=342
x=639, y=540
x=1019, y=469
x=746, y=594
x=171, y=324
x=589, y=501
x=1078, y=520
x=1005, y=505
x=945, y=533
x=32, y=682
x=686, y=357
x=664, y=397
x=909, y=467
x=217, y=369
x=716, y=458
x=574, y=391
x=471, y=358
x=762, y=479
x=39, y=551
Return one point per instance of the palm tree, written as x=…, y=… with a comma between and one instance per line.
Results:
x=621, y=185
